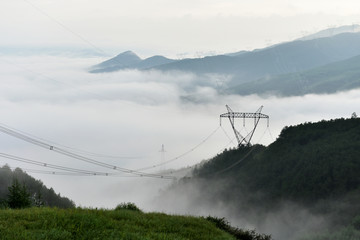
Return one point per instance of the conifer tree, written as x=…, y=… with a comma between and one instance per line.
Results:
x=18, y=196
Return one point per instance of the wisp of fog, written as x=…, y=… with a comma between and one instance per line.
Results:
x=128, y=115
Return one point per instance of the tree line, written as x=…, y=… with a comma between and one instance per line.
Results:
x=20, y=190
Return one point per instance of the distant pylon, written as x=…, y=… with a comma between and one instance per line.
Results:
x=162, y=151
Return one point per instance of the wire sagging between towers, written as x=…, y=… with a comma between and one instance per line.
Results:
x=79, y=157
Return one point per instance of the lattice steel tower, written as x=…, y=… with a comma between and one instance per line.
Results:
x=231, y=115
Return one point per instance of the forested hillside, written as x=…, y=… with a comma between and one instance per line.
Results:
x=35, y=187
x=314, y=166
x=308, y=162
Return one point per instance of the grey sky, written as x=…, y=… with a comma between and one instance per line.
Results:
x=169, y=27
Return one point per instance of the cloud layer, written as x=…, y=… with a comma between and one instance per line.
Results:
x=130, y=114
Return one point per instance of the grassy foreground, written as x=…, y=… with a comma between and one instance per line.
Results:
x=77, y=223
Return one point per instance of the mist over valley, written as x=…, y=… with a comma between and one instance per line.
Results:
x=136, y=135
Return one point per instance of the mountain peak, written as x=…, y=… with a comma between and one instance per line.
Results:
x=129, y=60
x=128, y=53
x=123, y=60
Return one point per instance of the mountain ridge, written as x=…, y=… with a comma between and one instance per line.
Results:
x=129, y=60
x=331, y=78
x=290, y=57
x=283, y=58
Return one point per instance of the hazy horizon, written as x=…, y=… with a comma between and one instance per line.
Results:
x=170, y=28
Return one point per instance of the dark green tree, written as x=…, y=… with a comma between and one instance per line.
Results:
x=18, y=196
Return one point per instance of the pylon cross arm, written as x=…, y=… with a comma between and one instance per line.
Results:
x=256, y=116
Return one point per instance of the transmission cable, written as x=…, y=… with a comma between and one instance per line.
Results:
x=27, y=170
x=193, y=166
x=53, y=166
x=64, y=27
x=227, y=135
x=72, y=148
x=270, y=134
x=77, y=156
x=235, y=163
x=68, y=171
x=181, y=155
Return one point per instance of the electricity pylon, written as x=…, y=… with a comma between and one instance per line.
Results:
x=231, y=115
x=162, y=151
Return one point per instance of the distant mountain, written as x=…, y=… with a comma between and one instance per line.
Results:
x=153, y=62
x=330, y=32
x=331, y=78
x=283, y=58
x=236, y=53
x=245, y=68
x=123, y=60
x=129, y=60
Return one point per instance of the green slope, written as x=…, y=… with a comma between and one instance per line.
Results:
x=46, y=223
x=339, y=76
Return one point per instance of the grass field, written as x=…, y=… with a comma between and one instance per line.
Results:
x=77, y=223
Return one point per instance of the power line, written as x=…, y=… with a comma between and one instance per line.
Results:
x=65, y=27
x=27, y=170
x=245, y=156
x=181, y=155
x=45, y=172
x=45, y=144
x=42, y=143
x=53, y=166
x=236, y=163
x=222, y=149
x=72, y=148
x=227, y=135
x=252, y=148
x=77, y=156
x=272, y=138
x=68, y=171
x=69, y=30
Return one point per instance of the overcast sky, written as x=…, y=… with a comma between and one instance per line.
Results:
x=169, y=27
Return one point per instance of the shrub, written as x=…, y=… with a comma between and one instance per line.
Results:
x=3, y=204
x=238, y=233
x=128, y=206
x=356, y=223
